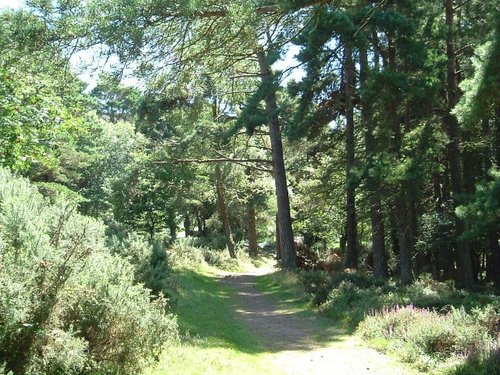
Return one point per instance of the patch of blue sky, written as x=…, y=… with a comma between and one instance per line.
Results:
x=12, y=4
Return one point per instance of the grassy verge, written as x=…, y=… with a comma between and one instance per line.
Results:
x=286, y=288
x=213, y=339
x=433, y=326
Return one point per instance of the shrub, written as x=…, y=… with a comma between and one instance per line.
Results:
x=186, y=252
x=317, y=284
x=61, y=288
x=430, y=324
x=150, y=261
x=426, y=338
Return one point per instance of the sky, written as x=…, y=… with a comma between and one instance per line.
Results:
x=13, y=4
x=83, y=58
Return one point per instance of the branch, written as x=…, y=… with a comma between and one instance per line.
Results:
x=265, y=161
x=266, y=9
x=459, y=5
x=215, y=160
x=246, y=75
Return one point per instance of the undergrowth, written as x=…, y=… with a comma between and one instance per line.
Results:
x=187, y=253
x=68, y=303
x=432, y=325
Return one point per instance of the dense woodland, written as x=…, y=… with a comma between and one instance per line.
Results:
x=376, y=150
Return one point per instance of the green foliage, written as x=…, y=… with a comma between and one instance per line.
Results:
x=112, y=149
x=150, y=261
x=62, y=288
x=429, y=324
x=348, y=297
x=115, y=101
x=183, y=253
x=480, y=93
x=188, y=253
x=34, y=121
x=435, y=342
x=436, y=231
x=482, y=213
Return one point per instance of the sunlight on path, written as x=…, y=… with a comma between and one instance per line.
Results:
x=298, y=342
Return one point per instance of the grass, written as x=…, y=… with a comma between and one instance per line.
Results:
x=213, y=339
x=286, y=287
x=433, y=326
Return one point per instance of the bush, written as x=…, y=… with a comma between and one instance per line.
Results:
x=317, y=284
x=61, y=288
x=429, y=324
x=184, y=253
x=187, y=252
x=150, y=261
x=430, y=340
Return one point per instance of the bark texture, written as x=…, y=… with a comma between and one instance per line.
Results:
x=221, y=202
x=289, y=257
x=376, y=212
x=454, y=157
x=252, y=231
x=351, y=260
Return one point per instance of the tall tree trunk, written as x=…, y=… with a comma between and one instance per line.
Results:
x=199, y=223
x=223, y=211
x=493, y=259
x=376, y=214
x=351, y=260
x=496, y=136
x=252, y=231
x=400, y=204
x=446, y=258
x=289, y=257
x=187, y=224
x=403, y=225
x=279, y=247
x=453, y=130
x=172, y=225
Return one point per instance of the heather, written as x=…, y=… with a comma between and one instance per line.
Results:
x=432, y=325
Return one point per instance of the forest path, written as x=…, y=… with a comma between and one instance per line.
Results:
x=302, y=342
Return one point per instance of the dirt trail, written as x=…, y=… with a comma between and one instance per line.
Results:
x=299, y=342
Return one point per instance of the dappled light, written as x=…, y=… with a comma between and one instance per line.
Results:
x=258, y=187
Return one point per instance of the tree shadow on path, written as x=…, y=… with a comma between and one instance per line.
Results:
x=279, y=327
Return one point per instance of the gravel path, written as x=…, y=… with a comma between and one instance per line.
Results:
x=299, y=343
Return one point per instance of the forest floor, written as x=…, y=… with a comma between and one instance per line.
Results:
x=301, y=341
x=244, y=323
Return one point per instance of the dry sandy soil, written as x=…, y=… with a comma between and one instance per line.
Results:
x=299, y=342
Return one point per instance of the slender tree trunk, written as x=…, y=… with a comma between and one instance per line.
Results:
x=453, y=130
x=496, y=136
x=493, y=260
x=289, y=257
x=279, y=247
x=252, y=231
x=223, y=212
x=172, y=226
x=187, y=224
x=151, y=225
x=404, y=239
x=400, y=204
x=393, y=233
x=446, y=258
x=378, y=238
x=376, y=214
x=199, y=223
x=490, y=157
x=351, y=260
